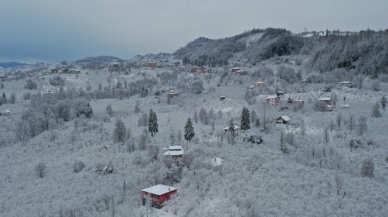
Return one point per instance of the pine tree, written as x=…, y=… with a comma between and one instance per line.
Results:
x=376, y=110
x=232, y=131
x=383, y=102
x=119, y=133
x=257, y=123
x=245, y=121
x=189, y=130
x=153, y=123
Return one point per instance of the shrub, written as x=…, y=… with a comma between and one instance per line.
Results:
x=78, y=166
x=367, y=168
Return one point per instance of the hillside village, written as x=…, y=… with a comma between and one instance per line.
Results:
x=265, y=123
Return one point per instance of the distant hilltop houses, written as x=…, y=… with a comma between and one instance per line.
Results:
x=340, y=33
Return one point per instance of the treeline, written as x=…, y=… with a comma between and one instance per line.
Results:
x=365, y=53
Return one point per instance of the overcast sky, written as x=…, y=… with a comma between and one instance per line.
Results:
x=55, y=30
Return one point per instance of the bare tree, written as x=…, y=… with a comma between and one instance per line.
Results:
x=352, y=122
x=326, y=135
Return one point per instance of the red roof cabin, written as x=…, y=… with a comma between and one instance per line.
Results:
x=158, y=194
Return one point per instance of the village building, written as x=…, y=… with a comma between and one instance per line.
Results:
x=250, y=87
x=215, y=162
x=65, y=70
x=236, y=69
x=173, y=94
x=54, y=71
x=115, y=65
x=326, y=100
x=346, y=83
x=283, y=120
x=150, y=64
x=344, y=106
x=299, y=101
x=279, y=93
x=158, y=194
x=222, y=97
x=174, y=151
x=182, y=69
x=273, y=100
x=260, y=84
x=236, y=129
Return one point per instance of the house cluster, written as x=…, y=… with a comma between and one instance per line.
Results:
x=62, y=71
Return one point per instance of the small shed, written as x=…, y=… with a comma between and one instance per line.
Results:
x=222, y=97
x=54, y=71
x=346, y=83
x=173, y=94
x=283, y=120
x=299, y=101
x=158, y=194
x=344, y=106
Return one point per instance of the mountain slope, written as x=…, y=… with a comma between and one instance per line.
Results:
x=11, y=64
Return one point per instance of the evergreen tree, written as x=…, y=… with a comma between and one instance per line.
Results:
x=189, y=130
x=4, y=98
x=153, y=123
x=257, y=123
x=383, y=102
x=376, y=110
x=232, y=131
x=245, y=121
x=119, y=133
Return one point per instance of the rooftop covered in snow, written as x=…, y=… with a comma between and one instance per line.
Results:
x=159, y=189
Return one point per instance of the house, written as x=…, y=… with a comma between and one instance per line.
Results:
x=272, y=100
x=250, y=87
x=345, y=106
x=346, y=83
x=182, y=69
x=2, y=76
x=299, y=101
x=283, y=120
x=279, y=93
x=326, y=100
x=54, y=71
x=236, y=129
x=150, y=64
x=215, y=162
x=173, y=94
x=115, y=65
x=260, y=84
x=73, y=71
x=243, y=72
x=222, y=97
x=65, y=70
x=235, y=69
x=176, y=63
x=174, y=151
x=101, y=67
x=158, y=194
x=329, y=108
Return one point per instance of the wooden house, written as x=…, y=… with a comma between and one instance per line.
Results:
x=150, y=64
x=173, y=94
x=283, y=120
x=273, y=100
x=260, y=84
x=54, y=71
x=158, y=194
x=279, y=93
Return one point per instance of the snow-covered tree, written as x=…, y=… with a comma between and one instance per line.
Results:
x=119, y=131
x=189, y=130
x=362, y=126
x=367, y=168
x=153, y=123
x=109, y=110
x=376, y=110
x=245, y=120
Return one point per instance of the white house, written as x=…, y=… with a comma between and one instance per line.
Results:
x=174, y=151
x=236, y=129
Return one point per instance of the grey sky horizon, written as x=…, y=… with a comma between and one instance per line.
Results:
x=51, y=31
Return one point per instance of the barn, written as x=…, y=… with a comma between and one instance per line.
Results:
x=158, y=194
